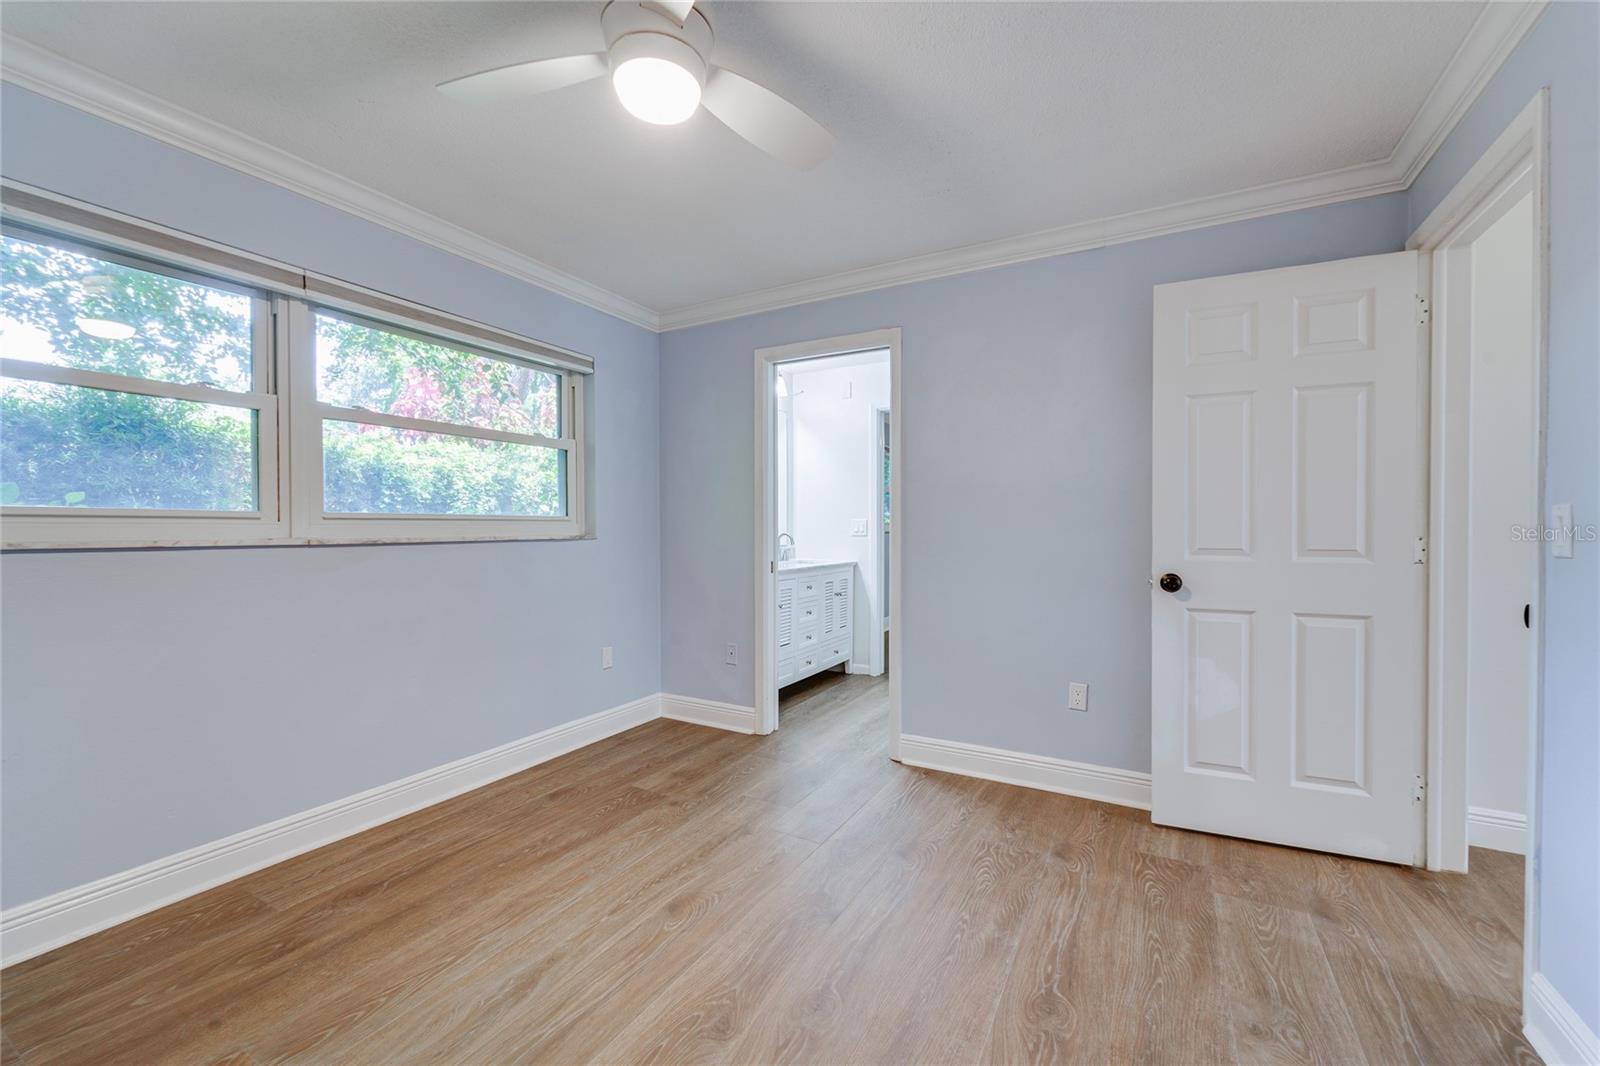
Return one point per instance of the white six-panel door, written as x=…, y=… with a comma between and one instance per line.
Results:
x=1288, y=672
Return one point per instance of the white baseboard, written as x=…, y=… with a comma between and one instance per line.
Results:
x=729, y=716
x=1126, y=787
x=33, y=928
x=1554, y=1029
x=1497, y=830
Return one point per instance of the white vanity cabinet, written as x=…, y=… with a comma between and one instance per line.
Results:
x=815, y=608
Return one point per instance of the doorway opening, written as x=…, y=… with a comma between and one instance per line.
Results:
x=827, y=559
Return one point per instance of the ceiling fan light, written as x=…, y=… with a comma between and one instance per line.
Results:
x=657, y=78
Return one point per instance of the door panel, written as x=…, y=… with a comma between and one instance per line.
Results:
x=1288, y=671
x=1221, y=464
x=1217, y=726
x=1332, y=471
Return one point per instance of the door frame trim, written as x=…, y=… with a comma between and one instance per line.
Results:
x=874, y=660
x=1492, y=185
x=766, y=578
x=1518, y=158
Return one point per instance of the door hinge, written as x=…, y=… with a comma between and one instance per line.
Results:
x=1419, y=551
x=1424, y=310
x=1420, y=793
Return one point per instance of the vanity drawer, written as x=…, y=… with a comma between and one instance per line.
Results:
x=807, y=638
x=808, y=587
x=807, y=613
x=836, y=650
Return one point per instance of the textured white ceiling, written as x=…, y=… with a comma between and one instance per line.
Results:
x=957, y=123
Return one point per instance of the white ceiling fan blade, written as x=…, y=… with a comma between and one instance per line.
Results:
x=676, y=10
x=524, y=79
x=766, y=119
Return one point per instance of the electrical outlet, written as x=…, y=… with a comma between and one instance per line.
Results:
x=732, y=658
x=606, y=657
x=1078, y=696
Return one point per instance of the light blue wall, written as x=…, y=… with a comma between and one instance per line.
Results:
x=1562, y=53
x=231, y=687
x=1026, y=466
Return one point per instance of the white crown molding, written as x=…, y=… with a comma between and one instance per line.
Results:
x=1108, y=784
x=33, y=928
x=1332, y=187
x=1500, y=27
x=50, y=75
x=1497, y=31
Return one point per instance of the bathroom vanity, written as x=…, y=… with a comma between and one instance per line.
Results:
x=816, y=603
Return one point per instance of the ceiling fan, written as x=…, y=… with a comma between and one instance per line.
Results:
x=658, y=55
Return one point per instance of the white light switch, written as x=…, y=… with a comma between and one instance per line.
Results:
x=1078, y=696
x=732, y=658
x=605, y=657
x=1561, y=530
x=858, y=528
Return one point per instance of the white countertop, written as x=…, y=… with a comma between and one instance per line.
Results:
x=811, y=564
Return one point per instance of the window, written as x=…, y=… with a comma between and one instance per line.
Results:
x=131, y=394
x=410, y=429
x=140, y=401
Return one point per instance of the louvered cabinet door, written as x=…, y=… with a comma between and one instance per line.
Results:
x=786, y=618
x=835, y=604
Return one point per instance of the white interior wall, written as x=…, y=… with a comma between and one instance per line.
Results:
x=1501, y=567
x=836, y=471
x=783, y=439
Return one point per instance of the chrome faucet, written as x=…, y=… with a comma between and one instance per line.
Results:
x=785, y=554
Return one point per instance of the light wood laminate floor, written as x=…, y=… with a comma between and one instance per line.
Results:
x=680, y=894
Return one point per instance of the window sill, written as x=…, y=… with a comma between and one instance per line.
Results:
x=127, y=544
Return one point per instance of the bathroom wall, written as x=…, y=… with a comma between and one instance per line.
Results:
x=837, y=474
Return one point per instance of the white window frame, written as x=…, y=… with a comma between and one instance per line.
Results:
x=314, y=522
x=289, y=416
x=105, y=526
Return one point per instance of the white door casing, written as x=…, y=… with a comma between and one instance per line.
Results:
x=1289, y=461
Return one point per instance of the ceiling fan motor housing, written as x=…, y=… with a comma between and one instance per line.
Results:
x=635, y=30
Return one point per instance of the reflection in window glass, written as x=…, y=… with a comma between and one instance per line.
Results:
x=65, y=446
x=369, y=469
x=362, y=367
x=64, y=308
